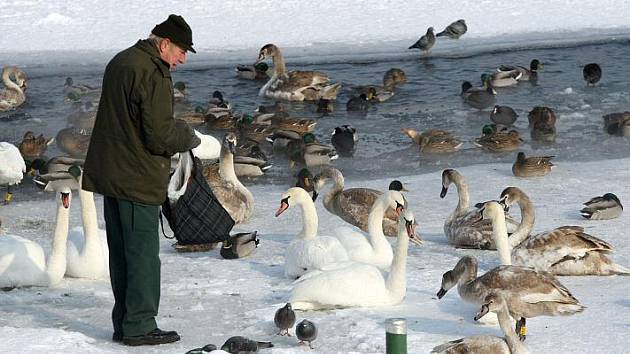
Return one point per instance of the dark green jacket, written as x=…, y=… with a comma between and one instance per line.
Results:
x=135, y=133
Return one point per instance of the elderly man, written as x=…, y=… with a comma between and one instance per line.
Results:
x=128, y=162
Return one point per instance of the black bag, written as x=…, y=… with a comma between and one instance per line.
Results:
x=197, y=217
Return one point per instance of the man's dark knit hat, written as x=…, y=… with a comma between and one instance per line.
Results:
x=177, y=30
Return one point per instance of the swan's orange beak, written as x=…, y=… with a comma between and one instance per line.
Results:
x=65, y=199
x=283, y=206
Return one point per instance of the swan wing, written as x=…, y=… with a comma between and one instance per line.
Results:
x=474, y=344
x=304, y=255
x=527, y=285
x=209, y=148
x=357, y=285
x=356, y=243
x=22, y=262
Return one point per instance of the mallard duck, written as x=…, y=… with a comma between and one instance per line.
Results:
x=217, y=101
x=426, y=42
x=225, y=121
x=305, y=180
x=325, y=106
x=394, y=77
x=73, y=142
x=308, y=151
x=533, y=166
x=592, y=73
x=542, y=123
x=604, y=207
x=55, y=164
x=12, y=168
x=375, y=93
x=434, y=141
x=195, y=117
x=344, y=139
x=240, y=245
x=498, y=140
x=32, y=147
x=617, y=124
x=299, y=125
x=259, y=71
x=249, y=160
x=179, y=91
x=502, y=78
x=294, y=85
x=12, y=96
x=477, y=97
x=391, y=79
x=503, y=115
x=280, y=139
x=254, y=132
x=358, y=103
x=233, y=196
x=74, y=92
x=454, y=30
x=542, y=114
x=530, y=74
x=84, y=117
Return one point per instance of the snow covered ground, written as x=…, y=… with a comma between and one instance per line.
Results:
x=208, y=299
x=232, y=26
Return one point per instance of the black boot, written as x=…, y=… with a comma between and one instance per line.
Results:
x=156, y=336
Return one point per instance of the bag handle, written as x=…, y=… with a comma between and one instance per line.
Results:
x=163, y=233
x=161, y=212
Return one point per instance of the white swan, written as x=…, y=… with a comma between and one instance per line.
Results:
x=358, y=284
x=308, y=251
x=209, y=148
x=12, y=96
x=566, y=250
x=87, y=254
x=510, y=344
x=22, y=262
x=375, y=249
x=12, y=168
x=462, y=227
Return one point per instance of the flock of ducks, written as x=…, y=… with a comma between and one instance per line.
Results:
x=356, y=266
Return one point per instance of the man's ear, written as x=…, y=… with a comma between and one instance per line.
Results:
x=164, y=44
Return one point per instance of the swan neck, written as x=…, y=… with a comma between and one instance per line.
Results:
x=528, y=217
x=462, y=192
x=56, y=262
x=505, y=322
x=278, y=63
x=226, y=171
x=8, y=83
x=397, y=277
x=90, y=224
x=500, y=236
x=375, y=224
x=309, y=218
x=335, y=190
x=466, y=271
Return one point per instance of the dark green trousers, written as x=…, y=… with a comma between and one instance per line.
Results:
x=134, y=264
